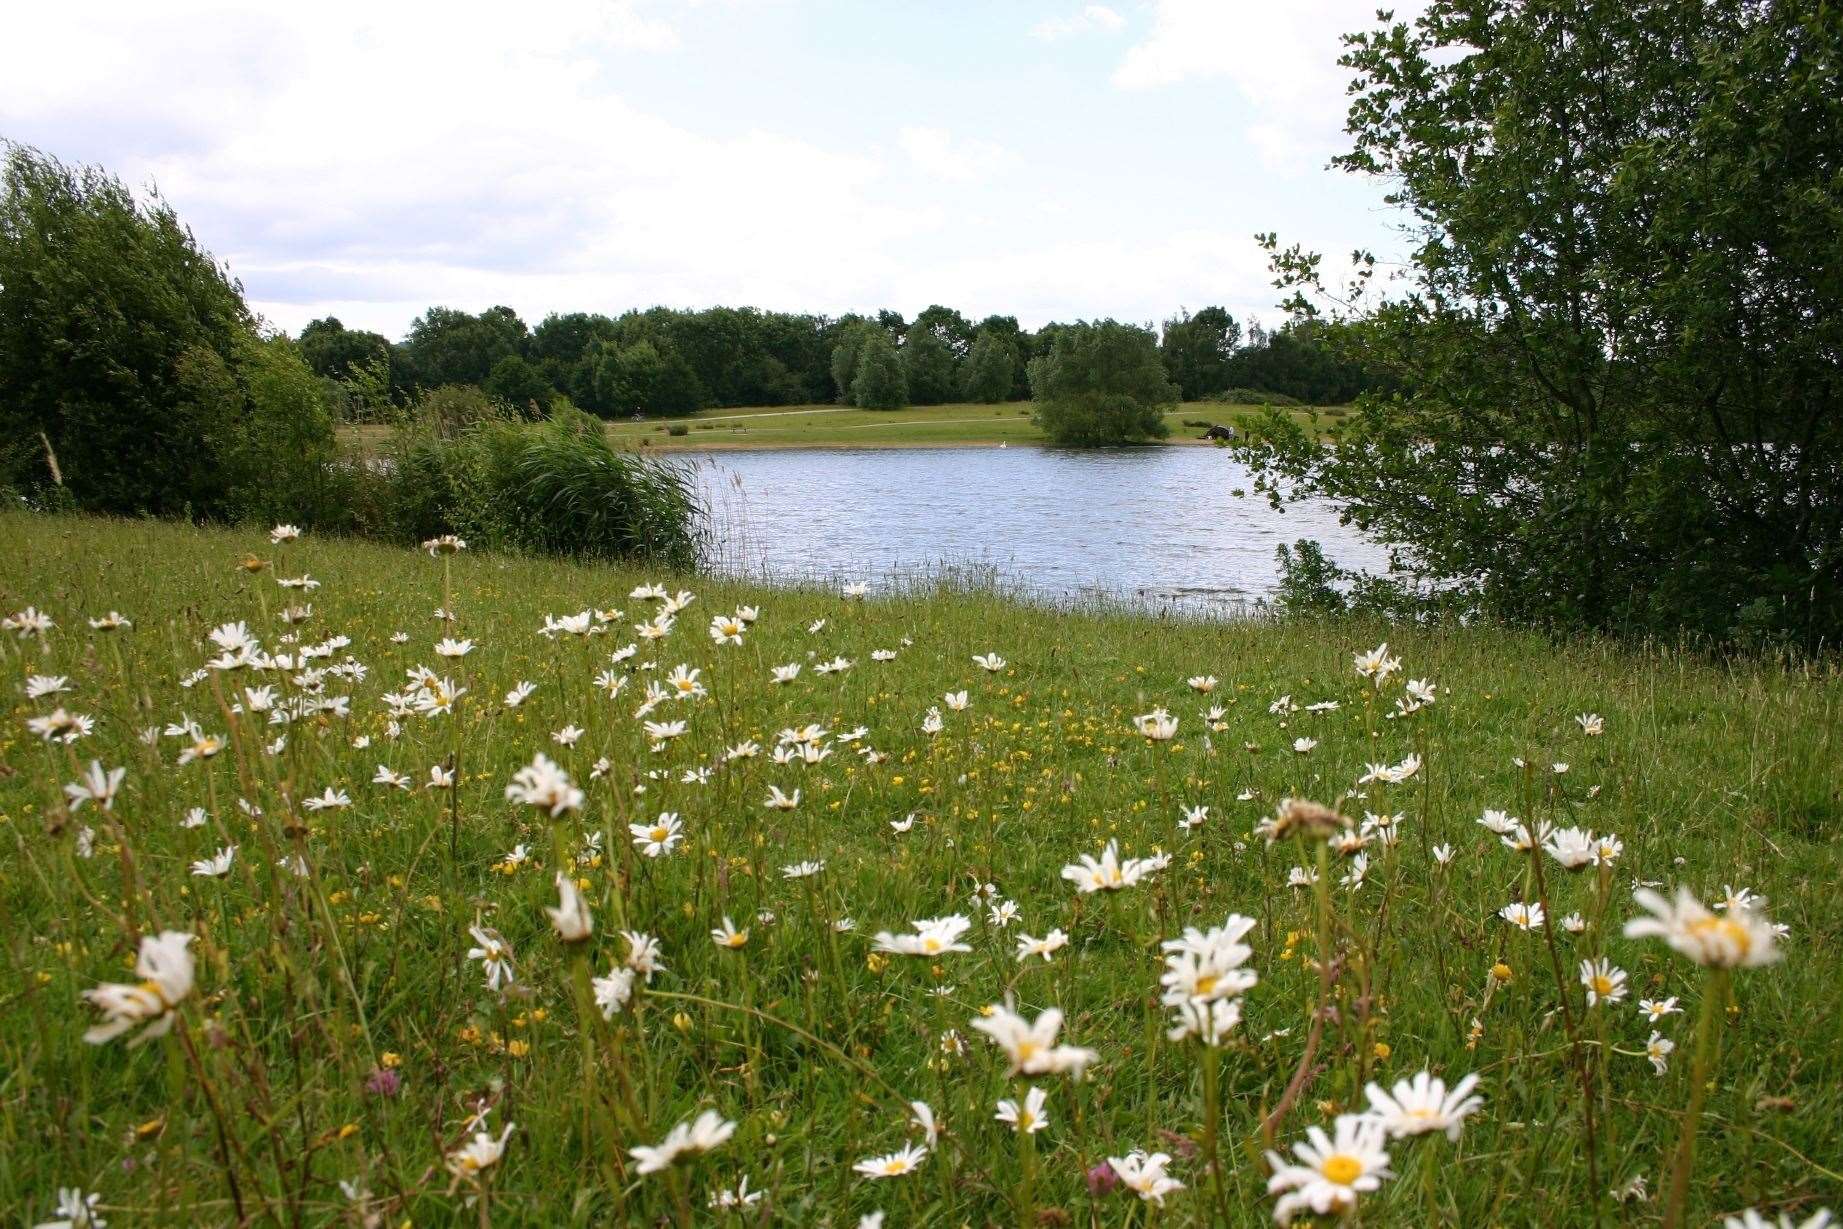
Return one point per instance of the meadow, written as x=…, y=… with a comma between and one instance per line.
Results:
x=833, y=426
x=353, y=885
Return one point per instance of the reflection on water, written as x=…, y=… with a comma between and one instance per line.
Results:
x=1156, y=527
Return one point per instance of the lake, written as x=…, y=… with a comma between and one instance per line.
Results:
x=1154, y=527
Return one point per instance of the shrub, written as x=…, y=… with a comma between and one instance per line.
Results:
x=881, y=383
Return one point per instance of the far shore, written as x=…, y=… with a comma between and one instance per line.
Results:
x=757, y=428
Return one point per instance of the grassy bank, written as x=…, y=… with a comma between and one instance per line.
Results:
x=339, y=1032
x=832, y=426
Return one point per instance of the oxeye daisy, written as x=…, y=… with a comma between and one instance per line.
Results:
x=1330, y=1171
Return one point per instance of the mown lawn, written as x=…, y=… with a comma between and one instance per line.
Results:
x=323, y=1066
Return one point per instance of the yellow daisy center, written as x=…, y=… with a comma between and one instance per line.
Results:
x=1341, y=1169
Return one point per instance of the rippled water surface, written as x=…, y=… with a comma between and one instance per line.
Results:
x=1154, y=526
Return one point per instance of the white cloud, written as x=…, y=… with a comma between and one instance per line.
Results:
x=935, y=152
x=1091, y=18
x=1281, y=57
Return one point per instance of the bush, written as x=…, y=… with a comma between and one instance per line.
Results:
x=554, y=487
x=1253, y=396
x=881, y=383
x=1100, y=384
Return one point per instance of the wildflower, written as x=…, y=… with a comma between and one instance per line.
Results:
x=1299, y=817
x=479, y=1153
x=1657, y=1049
x=62, y=727
x=728, y=936
x=1423, y=1104
x=283, y=533
x=613, y=991
x=1592, y=724
x=662, y=731
x=75, y=1211
x=28, y=623
x=1045, y=947
x=571, y=918
x=1107, y=874
x=1145, y=1175
x=217, y=865
x=1658, y=1009
x=1750, y=1219
x=1737, y=938
x=992, y=663
x=1574, y=924
x=1443, y=855
x=1572, y=848
x=787, y=673
x=1376, y=665
x=1522, y=916
x=385, y=776
x=519, y=694
x=1157, y=725
x=933, y=937
x=709, y=1130
x=802, y=870
x=905, y=1160
x=39, y=686
x=1604, y=982
x=96, y=786
x=1031, y=1046
x=450, y=647
x=1027, y=1117
x=1002, y=914
x=921, y=1114
x=1331, y=1172
x=165, y=968
x=778, y=801
x=643, y=953
x=1304, y=745
x=658, y=838
x=544, y=785
x=332, y=799
x=727, y=629
x=1193, y=817
x=446, y=544
x=725, y=1200
x=933, y=723
x=494, y=955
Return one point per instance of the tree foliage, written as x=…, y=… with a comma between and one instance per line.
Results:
x=1197, y=351
x=880, y=382
x=1622, y=347
x=130, y=370
x=928, y=365
x=1102, y=384
x=991, y=368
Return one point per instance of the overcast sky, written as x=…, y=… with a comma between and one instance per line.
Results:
x=1050, y=159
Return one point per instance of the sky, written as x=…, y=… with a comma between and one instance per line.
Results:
x=1046, y=159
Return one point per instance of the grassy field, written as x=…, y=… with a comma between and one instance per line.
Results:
x=831, y=426
x=337, y=1052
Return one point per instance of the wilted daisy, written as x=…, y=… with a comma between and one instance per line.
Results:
x=777, y=801
x=1028, y=1116
x=216, y=866
x=62, y=727
x=164, y=965
x=571, y=918
x=1144, y=1174
x=1736, y=938
x=932, y=937
x=905, y=1160
x=708, y=1131
x=1330, y=1171
x=1592, y=724
x=331, y=799
x=1031, y=1045
x=1422, y=1104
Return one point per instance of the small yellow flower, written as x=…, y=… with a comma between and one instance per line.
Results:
x=390, y=1058
x=518, y=1047
x=1382, y=1050
x=1500, y=971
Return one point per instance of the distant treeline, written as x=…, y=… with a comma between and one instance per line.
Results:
x=665, y=361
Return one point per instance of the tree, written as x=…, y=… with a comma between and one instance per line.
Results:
x=332, y=350
x=880, y=383
x=852, y=335
x=928, y=365
x=1622, y=348
x=1101, y=384
x=519, y=385
x=990, y=369
x=1197, y=349
x=948, y=325
x=445, y=346
x=127, y=354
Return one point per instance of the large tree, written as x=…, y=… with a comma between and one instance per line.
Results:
x=130, y=369
x=1622, y=335
x=880, y=382
x=1101, y=384
x=990, y=369
x=928, y=362
x=1197, y=349
x=446, y=346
